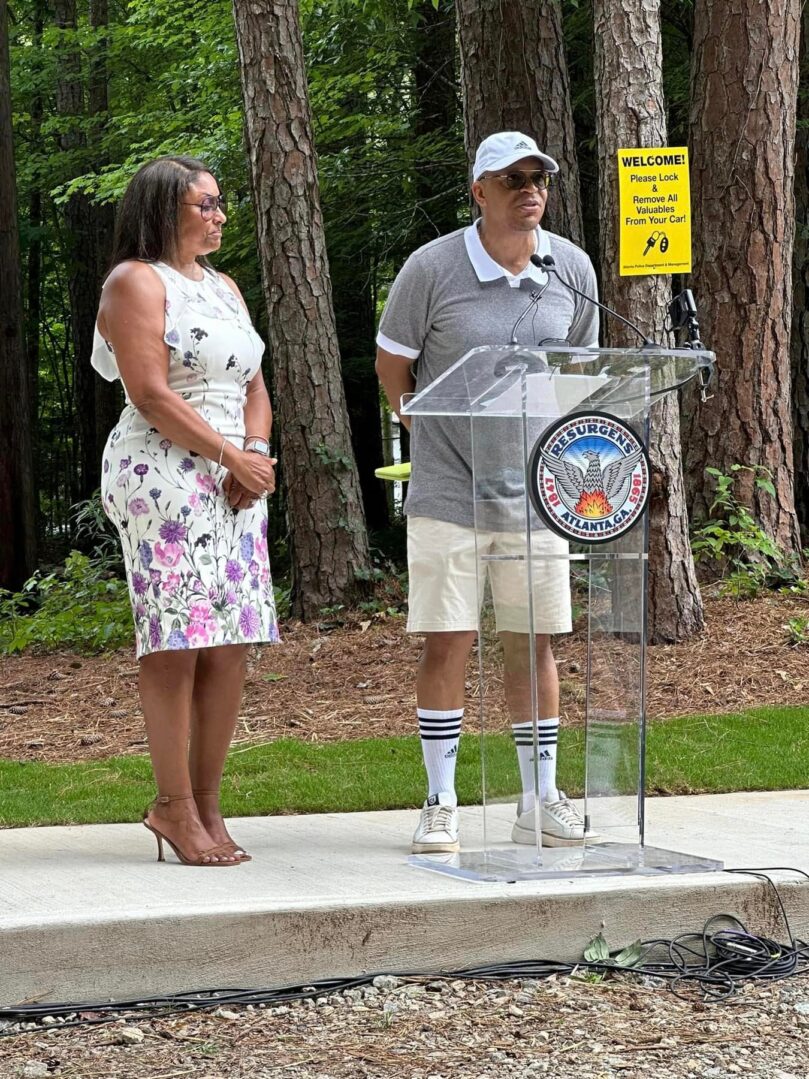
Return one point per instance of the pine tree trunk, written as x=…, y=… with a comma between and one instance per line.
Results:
x=744, y=82
x=435, y=113
x=353, y=288
x=329, y=544
x=33, y=280
x=630, y=111
x=514, y=78
x=88, y=234
x=17, y=519
x=109, y=398
x=70, y=109
x=800, y=295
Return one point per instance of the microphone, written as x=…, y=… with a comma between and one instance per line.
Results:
x=535, y=298
x=548, y=264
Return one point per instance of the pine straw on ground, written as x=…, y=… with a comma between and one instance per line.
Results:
x=513, y=1030
x=355, y=679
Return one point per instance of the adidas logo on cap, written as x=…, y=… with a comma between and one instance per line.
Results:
x=522, y=146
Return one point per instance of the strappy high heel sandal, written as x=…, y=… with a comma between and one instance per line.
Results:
x=230, y=846
x=199, y=857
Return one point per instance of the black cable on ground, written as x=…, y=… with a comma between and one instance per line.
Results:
x=716, y=962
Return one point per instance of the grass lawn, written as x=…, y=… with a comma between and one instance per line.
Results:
x=763, y=749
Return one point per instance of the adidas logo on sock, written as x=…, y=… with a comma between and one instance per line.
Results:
x=451, y=753
x=543, y=756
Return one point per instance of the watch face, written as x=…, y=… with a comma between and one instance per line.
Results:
x=259, y=445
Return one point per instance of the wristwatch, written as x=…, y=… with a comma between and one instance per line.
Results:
x=258, y=445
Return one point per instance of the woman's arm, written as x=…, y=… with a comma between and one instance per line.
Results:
x=132, y=319
x=257, y=423
x=257, y=409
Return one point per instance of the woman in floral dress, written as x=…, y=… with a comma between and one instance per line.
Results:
x=186, y=472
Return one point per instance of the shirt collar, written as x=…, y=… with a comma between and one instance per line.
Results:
x=487, y=269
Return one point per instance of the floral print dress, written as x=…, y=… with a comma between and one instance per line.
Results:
x=198, y=571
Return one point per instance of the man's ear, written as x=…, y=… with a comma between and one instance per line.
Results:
x=478, y=193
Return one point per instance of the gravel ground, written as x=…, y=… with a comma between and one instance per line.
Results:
x=559, y=1028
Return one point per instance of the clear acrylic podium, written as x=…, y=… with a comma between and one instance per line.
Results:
x=511, y=395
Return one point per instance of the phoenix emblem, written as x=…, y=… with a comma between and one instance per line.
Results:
x=592, y=492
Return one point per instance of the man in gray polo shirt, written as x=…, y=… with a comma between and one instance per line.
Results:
x=456, y=293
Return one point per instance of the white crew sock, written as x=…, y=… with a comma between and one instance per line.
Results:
x=547, y=738
x=440, y=732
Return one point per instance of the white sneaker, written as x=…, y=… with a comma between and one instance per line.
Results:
x=562, y=825
x=437, y=832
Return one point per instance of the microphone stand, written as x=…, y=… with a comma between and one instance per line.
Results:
x=535, y=298
x=547, y=263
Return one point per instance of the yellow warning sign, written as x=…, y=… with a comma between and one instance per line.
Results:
x=655, y=209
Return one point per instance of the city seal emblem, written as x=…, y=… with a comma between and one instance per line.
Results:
x=589, y=477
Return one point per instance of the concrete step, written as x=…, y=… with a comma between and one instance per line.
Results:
x=88, y=913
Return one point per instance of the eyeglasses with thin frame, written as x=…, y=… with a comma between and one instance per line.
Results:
x=209, y=205
x=517, y=180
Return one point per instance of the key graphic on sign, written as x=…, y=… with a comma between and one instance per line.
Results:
x=658, y=234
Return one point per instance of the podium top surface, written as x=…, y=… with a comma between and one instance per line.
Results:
x=512, y=380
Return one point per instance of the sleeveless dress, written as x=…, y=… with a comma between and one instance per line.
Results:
x=198, y=571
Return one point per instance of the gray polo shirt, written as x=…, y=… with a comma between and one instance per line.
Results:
x=449, y=297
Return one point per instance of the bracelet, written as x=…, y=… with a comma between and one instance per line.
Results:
x=221, y=452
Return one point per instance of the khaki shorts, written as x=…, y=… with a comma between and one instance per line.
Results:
x=443, y=561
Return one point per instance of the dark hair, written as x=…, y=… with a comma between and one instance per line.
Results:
x=146, y=225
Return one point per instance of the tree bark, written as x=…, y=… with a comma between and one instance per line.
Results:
x=435, y=113
x=33, y=279
x=630, y=112
x=800, y=294
x=88, y=233
x=329, y=544
x=70, y=110
x=514, y=78
x=353, y=288
x=109, y=398
x=17, y=517
x=744, y=82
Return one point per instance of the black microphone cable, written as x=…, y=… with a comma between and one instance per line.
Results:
x=714, y=961
x=532, y=306
x=548, y=264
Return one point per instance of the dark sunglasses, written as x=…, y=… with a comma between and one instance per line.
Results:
x=516, y=181
x=209, y=205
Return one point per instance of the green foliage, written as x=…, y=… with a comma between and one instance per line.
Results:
x=330, y=458
x=83, y=608
x=283, y=599
x=171, y=75
x=96, y=533
x=387, y=588
x=798, y=630
x=597, y=951
x=734, y=542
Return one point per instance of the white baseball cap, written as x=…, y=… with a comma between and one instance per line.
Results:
x=502, y=149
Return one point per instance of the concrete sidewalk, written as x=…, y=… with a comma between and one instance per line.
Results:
x=88, y=913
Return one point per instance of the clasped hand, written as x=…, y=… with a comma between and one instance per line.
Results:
x=251, y=478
